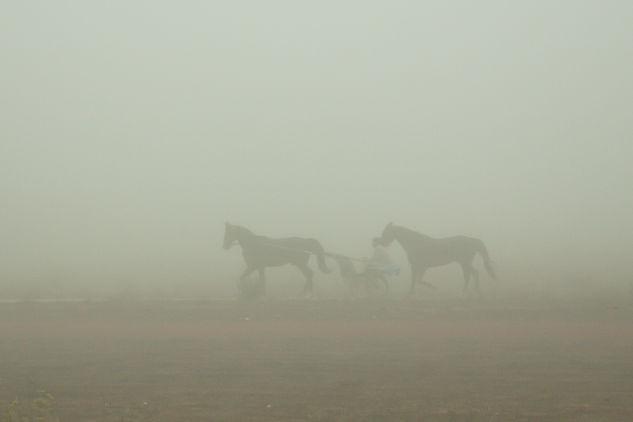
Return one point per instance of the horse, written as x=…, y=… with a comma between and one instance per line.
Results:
x=260, y=252
x=425, y=252
x=353, y=278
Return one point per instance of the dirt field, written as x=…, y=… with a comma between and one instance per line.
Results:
x=319, y=360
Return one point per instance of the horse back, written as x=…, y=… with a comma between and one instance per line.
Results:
x=463, y=247
x=264, y=251
x=442, y=251
x=301, y=243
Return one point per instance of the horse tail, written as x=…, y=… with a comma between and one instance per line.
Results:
x=320, y=253
x=345, y=265
x=481, y=248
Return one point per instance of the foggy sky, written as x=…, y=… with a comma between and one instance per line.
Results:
x=132, y=130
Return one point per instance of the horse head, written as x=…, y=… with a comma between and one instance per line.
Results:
x=387, y=236
x=234, y=234
x=229, y=235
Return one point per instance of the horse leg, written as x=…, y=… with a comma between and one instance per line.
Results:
x=367, y=281
x=359, y=282
x=475, y=274
x=245, y=274
x=385, y=283
x=414, y=277
x=466, y=269
x=308, y=273
x=262, y=280
x=424, y=283
x=352, y=286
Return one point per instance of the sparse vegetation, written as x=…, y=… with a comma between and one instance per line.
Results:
x=36, y=406
x=319, y=360
x=140, y=412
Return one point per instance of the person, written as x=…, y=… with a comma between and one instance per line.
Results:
x=349, y=274
x=380, y=262
x=380, y=265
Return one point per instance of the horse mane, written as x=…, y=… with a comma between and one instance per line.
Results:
x=410, y=233
x=241, y=229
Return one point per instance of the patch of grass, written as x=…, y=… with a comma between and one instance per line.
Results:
x=38, y=406
x=142, y=412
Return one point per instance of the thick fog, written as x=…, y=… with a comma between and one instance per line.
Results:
x=131, y=131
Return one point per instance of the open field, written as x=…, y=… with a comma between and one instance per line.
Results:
x=322, y=360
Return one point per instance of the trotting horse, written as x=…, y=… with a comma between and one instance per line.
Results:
x=260, y=252
x=425, y=252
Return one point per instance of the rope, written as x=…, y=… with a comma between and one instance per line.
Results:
x=336, y=255
x=328, y=254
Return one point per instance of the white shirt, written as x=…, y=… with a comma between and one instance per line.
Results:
x=380, y=257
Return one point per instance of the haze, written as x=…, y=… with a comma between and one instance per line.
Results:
x=132, y=131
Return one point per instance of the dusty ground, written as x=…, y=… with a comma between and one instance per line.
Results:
x=317, y=360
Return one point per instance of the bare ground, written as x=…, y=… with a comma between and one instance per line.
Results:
x=322, y=360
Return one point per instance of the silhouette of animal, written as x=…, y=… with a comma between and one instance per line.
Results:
x=260, y=252
x=424, y=252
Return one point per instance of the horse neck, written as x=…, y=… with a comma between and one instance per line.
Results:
x=243, y=235
x=408, y=239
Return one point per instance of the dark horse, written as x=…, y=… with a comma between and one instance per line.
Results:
x=425, y=252
x=260, y=252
